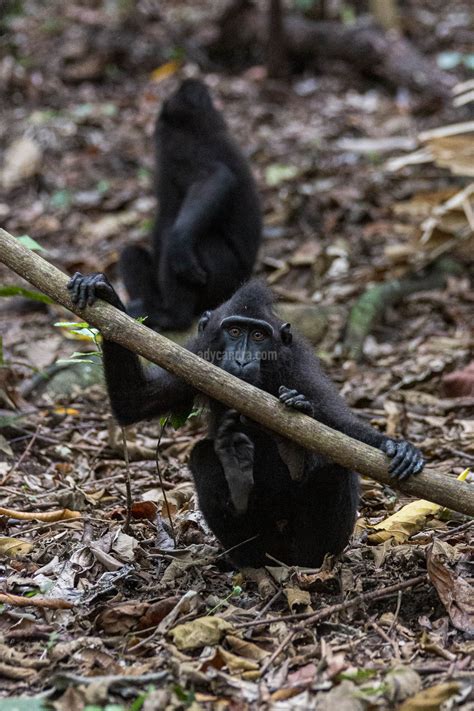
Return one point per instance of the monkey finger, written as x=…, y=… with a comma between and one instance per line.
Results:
x=304, y=406
x=389, y=447
x=287, y=394
x=400, y=455
x=415, y=466
x=83, y=294
x=403, y=468
x=73, y=280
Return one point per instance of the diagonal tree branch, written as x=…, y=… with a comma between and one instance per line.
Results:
x=255, y=403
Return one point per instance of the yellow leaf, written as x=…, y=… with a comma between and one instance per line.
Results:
x=235, y=663
x=46, y=517
x=66, y=411
x=408, y=520
x=403, y=524
x=200, y=633
x=13, y=547
x=432, y=698
x=165, y=70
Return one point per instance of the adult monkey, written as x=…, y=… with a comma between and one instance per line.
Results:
x=208, y=227
x=252, y=484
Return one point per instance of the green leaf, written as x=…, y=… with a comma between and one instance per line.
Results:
x=21, y=291
x=277, y=173
x=31, y=243
x=71, y=324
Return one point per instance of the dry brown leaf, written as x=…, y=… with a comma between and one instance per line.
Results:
x=402, y=682
x=403, y=524
x=13, y=547
x=456, y=592
x=48, y=517
x=246, y=649
x=200, y=633
x=235, y=663
x=121, y=618
x=430, y=699
x=298, y=600
x=408, y=520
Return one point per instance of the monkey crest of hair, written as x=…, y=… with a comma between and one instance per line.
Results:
x=208, y=226
x=261, y=494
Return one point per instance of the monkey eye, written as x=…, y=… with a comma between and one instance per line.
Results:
x=258, y=336
x=234, y=332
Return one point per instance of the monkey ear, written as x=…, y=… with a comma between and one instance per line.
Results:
x=286, y=335
x=203, y=321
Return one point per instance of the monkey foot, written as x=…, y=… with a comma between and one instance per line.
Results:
x=294, y=399
x=85, y=290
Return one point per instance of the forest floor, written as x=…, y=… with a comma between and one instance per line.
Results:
x=337, y=217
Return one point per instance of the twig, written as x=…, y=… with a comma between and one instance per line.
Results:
x=48, y=603
x=315, y=618
x=160, y=477
x=128, y=484
x=237, y=545
x=22, y=457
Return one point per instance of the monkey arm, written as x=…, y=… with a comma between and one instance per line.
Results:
x=330, y=409
x=137, y=393
x=203, y=202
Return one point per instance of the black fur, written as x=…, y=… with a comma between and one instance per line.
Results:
x=208, y=227
x=293, y=504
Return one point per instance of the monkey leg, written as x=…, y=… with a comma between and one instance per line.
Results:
x=235, y=452
x=218, y=510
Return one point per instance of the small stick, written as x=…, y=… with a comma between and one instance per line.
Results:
x=160, y=477
x=48, y=603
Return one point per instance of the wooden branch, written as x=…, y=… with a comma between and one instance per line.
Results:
x=252, y=402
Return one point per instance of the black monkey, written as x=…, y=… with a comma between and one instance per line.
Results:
x=208, y=227
x=252, y=484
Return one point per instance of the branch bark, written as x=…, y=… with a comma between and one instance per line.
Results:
x=256, y=404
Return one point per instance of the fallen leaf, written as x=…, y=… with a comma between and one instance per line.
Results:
x=13, y=547
x=402, y=682
x=430, y=699
x=408, y=520
x=200, y=633
x=246, y=649
x=165, y=70
x=47, y=517
x=144, y=510
x=234, y=663
x=456, y=592
x=298, y=600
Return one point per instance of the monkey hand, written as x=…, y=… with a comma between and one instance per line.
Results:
x=292, y=398
x=235, y=452
x=406, y=459
x=184, y=264
x=85, y=290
